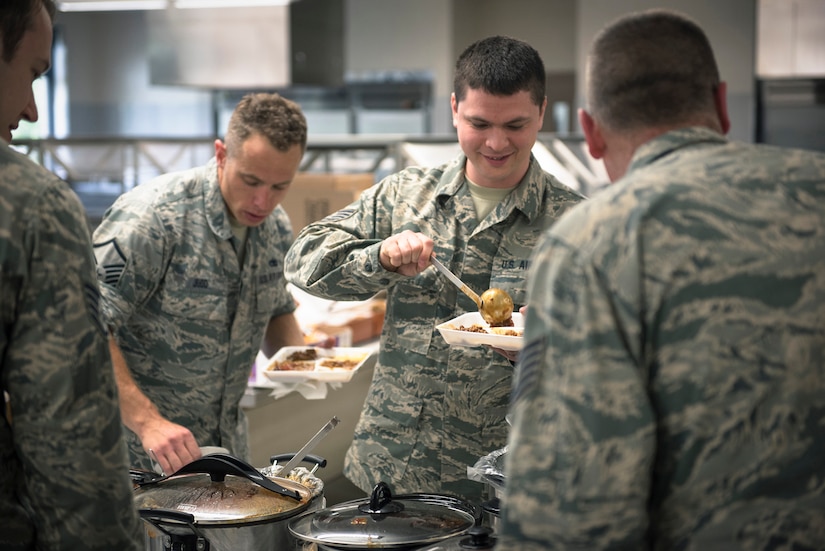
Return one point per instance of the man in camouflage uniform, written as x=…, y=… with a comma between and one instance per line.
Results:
x=64, y=476
x=433, y=410
x=671, y=394
x=191, y=272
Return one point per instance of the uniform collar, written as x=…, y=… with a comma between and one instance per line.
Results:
x=214, y=205
x=526, y=197
x=669, y=142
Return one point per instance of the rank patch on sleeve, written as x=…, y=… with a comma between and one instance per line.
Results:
x=528, y=373
x=92, y=296
x=111, y=262
x=339, y=215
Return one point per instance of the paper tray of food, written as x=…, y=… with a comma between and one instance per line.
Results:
x=471, y=330
x=313, y=363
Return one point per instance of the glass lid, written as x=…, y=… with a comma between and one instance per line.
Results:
x=386, y=521
x=223, y=490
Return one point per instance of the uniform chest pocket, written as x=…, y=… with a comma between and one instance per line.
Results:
x=268, y=292
x=412, y=313
x=195, y=297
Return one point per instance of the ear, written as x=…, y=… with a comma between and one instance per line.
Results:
x=720, y=98
x=592, y=135
x=220, y=152
x=454, y=109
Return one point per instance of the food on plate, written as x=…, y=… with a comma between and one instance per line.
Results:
x=496, y=307
x=331, y=364
x=309, y=359
x=475, y=328
x=508, y=331
x=340, y=363
x=292, y=365
x=309, y=354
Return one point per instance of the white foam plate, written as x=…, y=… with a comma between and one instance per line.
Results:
x=319, y=371
x=458, y=337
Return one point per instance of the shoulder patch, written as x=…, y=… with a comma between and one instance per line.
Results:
x=92, y=296
x=113, y=261
x=529, y=364
x=340, y=215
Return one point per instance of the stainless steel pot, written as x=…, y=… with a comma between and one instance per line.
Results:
x=384, y=521
x=490, y=470
x=220, y=503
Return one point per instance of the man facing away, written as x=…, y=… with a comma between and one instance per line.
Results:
x=671, y=393
x=64, y=476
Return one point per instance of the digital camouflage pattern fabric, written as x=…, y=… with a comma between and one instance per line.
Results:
x=188, y=318
x=432, y=410
x=64, y=476
x=671, y=394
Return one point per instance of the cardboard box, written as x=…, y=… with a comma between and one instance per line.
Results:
x=313, y=195
x=363, y=322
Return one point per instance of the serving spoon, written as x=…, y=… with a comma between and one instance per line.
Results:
x=495, y=305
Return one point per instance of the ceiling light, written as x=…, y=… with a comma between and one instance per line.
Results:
x=190, y=4
x=123, y=5
x=111, y=5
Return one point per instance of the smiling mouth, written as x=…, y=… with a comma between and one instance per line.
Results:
x=497, y=157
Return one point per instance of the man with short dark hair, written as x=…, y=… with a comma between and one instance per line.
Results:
x=433, y=410
x=672, y=389
x=64, y=476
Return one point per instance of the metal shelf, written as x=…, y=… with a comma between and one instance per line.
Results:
x=100, y=169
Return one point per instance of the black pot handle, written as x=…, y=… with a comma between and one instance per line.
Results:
x=478, y=537
x=380, y=502
x=309, y=458
x=159, y=517
x=218, y=465
x=492, y=506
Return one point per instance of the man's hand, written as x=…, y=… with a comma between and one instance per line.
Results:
x=407, y=253
x=511, y=355
x=171, y=445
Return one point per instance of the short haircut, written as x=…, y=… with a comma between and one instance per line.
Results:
x=17, y=17
x=651, y=68
x=278, y=119
x=501, y=66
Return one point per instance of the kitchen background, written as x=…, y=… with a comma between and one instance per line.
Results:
x=379, y=68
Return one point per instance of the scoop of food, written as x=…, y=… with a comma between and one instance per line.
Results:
x=496, y=307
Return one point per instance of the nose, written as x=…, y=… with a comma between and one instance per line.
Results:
x=264, y=199
x=497, y=139
x=30, y=111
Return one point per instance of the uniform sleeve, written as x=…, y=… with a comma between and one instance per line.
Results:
x=337, y=257
x=66, y=422
x=582, y=446
x=129, y=246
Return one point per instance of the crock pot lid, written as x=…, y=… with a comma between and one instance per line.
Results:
x=411, y=519
x=235, y=500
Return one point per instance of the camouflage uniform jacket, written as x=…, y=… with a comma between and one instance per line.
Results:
x=432, y=410
x=671, y=394
x=64, y=478
x=188, y=317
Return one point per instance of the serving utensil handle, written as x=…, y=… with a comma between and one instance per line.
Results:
x=455, y=281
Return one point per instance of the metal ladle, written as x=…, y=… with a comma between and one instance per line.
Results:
x=495, y=305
